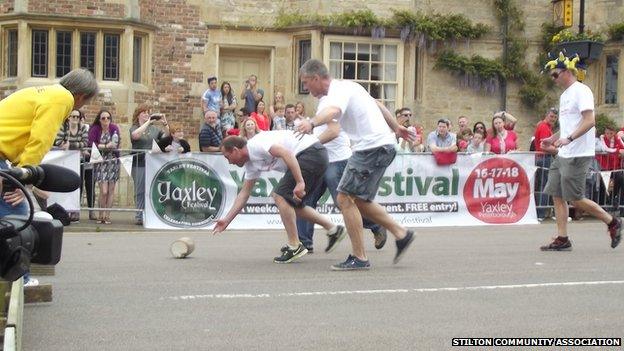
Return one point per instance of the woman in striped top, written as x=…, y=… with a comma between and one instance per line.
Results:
x=74, y=135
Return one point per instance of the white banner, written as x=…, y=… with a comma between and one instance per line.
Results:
x=69, y=159
x=191, y=191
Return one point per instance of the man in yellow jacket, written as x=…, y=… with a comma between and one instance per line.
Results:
x=29, y=121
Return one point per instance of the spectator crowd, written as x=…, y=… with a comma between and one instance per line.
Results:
x=246, y=114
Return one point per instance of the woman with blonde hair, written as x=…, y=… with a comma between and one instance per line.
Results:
x=249, y=128
x=278, y=99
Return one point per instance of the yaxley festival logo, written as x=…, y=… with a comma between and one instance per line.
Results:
x=498, y=191
x=187, y=193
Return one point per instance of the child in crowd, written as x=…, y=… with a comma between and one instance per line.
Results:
x=465, y=136
x=279, y=121
x=417, y=145
x=477, y=143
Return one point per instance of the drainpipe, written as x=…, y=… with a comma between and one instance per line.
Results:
x=503, y=82
x=582, y=17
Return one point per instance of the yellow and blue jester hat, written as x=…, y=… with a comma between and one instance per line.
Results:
x=570, y=64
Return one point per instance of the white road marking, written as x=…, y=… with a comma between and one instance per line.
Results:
x=389, y=291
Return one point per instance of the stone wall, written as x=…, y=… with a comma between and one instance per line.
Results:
x=6, y=6
x=115, y=9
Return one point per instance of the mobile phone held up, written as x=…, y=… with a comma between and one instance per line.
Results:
x=156, y=116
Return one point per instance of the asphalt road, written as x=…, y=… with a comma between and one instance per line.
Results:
x=124, y=291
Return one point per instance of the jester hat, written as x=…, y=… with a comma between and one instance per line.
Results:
x=564, y=62
x=572, y=64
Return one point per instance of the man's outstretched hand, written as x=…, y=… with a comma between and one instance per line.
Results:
x=220, y=226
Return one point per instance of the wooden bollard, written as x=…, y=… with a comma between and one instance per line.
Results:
x=38, y=293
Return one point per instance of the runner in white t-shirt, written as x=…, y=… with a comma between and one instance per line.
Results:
x=369, y=125
x=304, y=161
x=338, y=148
x=576, y=150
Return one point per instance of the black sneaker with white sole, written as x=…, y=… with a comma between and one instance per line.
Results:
x=290, y=255
x=334, y=238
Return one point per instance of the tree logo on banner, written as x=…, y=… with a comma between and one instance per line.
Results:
x=187, y=193
x=498, y=191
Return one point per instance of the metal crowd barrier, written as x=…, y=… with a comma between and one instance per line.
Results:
x=604, y=183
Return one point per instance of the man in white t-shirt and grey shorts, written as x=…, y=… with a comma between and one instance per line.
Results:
x=304, y=161
x=368, y=124
x=575, y=149
x=339, y=151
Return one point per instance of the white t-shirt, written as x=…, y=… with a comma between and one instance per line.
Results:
x=574, y=100
x=360, y=116
x=339, y=148
x=260, y=160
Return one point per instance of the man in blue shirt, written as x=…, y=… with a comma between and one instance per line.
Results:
x=442, y=139
x=211, y=100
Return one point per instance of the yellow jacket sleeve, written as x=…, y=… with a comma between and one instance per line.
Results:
x=47, y=121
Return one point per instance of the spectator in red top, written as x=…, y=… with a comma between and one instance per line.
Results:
x=261, y=117
x=542, y=161
x=502, y=140
x=544, y=128
x=611, y=160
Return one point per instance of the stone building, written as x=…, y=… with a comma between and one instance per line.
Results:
x=162, y=51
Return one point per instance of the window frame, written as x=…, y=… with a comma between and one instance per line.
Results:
x=142, y=61
x=45, y=64
x=93, y=69
x=8, y=58
x=299, y=59
x=57, y=33
x=116, y=58
x=400, y=47
x=616, y=55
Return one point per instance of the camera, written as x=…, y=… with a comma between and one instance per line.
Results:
x=24, y=239
x=156, y=116
x=39, y=242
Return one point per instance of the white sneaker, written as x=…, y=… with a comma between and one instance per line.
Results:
x=555, y=219
x=32, y=282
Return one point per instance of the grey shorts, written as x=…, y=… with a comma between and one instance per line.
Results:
x=364, y=171
x=313, y=162
x=566, y=177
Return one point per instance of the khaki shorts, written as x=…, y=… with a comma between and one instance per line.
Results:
x=566, y=177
